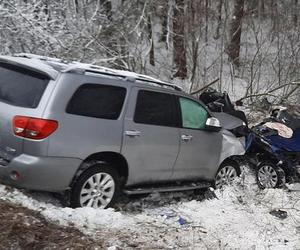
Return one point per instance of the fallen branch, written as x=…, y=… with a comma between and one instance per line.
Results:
x=290, y=93
x=205, y=87
x=271, y=91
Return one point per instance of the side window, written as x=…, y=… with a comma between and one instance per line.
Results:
x=193, y=114
x=95, y=100
x=155, y=108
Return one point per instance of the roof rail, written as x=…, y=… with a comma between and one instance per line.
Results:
x=158, y=82
x=39, y=57
x=65, y=66
x=83, y=67
x=56, y=63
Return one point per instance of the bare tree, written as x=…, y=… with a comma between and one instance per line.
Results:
x=197, y=34
x=235, y=32
x=150, y=37
x=179, y=52
x=219, y=19
x=163, y=13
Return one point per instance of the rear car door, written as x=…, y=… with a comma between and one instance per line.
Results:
x=150, y=140
x=199, y=149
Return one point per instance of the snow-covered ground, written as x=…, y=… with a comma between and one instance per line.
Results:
x=239, y=218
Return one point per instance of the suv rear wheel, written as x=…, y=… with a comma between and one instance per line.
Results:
x=97, y=187
x=228, y=171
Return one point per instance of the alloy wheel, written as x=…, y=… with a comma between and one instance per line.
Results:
x=267, y=176
x=97, y=191
x=225, y=176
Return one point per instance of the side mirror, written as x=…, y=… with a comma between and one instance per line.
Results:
x=213, y=124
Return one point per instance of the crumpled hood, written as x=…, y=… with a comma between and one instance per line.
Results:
x=228, y=121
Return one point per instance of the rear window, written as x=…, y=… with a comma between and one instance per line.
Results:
x=21, y=87
x=95, y=100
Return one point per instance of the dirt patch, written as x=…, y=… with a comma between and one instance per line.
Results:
x=21, y=228
x=25, y=229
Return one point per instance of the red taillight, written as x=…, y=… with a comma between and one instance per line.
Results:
x=33, y=128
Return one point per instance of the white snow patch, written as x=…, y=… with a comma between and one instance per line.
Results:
x=81, y=217
x=239, y=218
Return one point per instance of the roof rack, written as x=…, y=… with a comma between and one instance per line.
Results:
x=39, y=57
x=56, y=63
x=65, y=66
x=128, y=75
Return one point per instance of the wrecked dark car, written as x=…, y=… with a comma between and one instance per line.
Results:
x=272, y=147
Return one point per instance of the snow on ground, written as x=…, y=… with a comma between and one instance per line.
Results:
x=239, y=218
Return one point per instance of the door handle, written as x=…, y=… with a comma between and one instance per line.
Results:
x=132, y=133
x=186, y=137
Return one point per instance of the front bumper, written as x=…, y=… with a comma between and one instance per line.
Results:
x=40, y=173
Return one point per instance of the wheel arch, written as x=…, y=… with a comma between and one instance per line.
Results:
x=237, y=160
x=117, y=160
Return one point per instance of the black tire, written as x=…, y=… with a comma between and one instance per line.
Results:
x=94, y=171
x=274, y=176
x=220, y=179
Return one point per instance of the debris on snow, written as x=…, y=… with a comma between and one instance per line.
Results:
x=239, y=218
x=281, y=214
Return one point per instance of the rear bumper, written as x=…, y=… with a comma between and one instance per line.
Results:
x=40, y=173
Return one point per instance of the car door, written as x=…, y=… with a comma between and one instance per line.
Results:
x=150, y=138
x=200, y=149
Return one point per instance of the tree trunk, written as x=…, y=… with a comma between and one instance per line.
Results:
x=76, y=6
x=179, y=52
x=235, y=32
x=150, y=37
x=163, y=14
x=219, y=17
x=274, y=16
x=206, y=22
x=192, y=31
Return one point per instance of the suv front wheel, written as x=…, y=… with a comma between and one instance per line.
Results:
x=97, y=187
x=227, y=172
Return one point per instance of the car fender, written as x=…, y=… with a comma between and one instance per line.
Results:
x=231, y=145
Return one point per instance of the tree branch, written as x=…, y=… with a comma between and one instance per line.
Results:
x=205, y=87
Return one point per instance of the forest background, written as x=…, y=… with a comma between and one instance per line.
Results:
x=247, y=48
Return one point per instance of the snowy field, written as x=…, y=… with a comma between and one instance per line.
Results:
x=238, y=218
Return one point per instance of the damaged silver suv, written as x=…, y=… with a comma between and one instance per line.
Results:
x=96, y=132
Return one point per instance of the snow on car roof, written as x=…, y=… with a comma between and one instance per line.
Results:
x=33, y=64
x=52, y=66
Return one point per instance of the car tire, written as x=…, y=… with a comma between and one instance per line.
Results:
x=97, y=187
x=269, y=175
x=227, y=172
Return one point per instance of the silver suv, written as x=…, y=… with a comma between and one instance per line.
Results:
x=96, y=132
